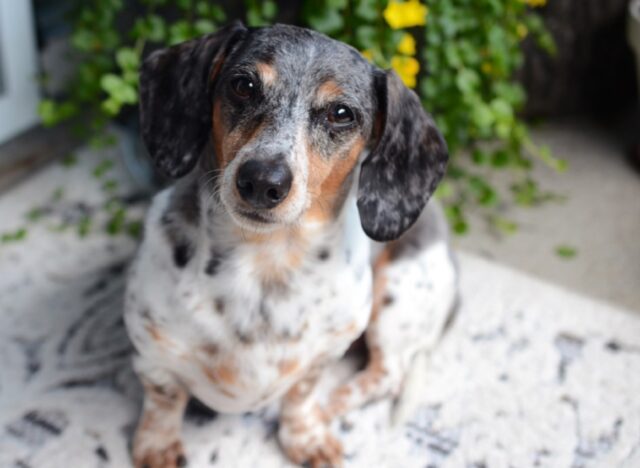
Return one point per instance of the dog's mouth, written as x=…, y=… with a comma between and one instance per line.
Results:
x=255, y=216
x=253, y=220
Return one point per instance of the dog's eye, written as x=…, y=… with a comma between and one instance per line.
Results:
x=340, y=115
x=243, y=87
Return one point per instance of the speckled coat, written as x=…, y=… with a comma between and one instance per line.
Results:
x=239, y=305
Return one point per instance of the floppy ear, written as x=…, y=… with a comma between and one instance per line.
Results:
x=176, y=98
x=404, y=167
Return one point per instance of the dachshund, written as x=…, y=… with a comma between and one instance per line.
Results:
x=295, y=225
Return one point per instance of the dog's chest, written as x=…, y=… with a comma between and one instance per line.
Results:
x=241, y=336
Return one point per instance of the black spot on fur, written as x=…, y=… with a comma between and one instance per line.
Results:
x=346, y=426
x=324, y=254
x=243, y=337
x=182, y=253
x=185, y=201
x=213, y=263
x=102, y=453
x=219, y=305
x=264, y=313
x=388, y=300
x=613, y=346
x=199, y=413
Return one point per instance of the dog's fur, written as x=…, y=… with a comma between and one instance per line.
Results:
x=240, y=306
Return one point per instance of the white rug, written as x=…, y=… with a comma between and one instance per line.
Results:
x=529, y=375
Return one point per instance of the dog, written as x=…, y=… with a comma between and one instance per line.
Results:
x=297, y=223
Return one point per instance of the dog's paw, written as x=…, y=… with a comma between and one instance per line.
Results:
x=171, y=456
x=325, y=452
x=308, y=440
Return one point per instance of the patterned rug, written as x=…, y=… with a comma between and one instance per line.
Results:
x=528, y=375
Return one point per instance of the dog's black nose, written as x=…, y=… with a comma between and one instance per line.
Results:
x=264, y=184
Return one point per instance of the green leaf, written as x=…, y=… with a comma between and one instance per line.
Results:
x=502, y=110
x=84, y=226
x=525, y=193
x=366, y=36
x=120, y=92
x=13, y=236
x=204, y=26
x=500, y=159
x=217, y=13
x=179, y=31
x=367, y=10
x=110, y=186
x=559, y=165
x=254, y=18
x=456, y=219
x=117, y=222
x=467, y=80
x=479, y=157
x=102, y=168
x=269, y=9
x=134, y=229
x=566, y=252
x=444, y=190
x=111, y=106
x=482, y=115
x=327, y=22
x=452, y=54
x=53, y=113
x=460, y=227
x=484, y=193
x=34, y=214
x=57, y=194
x=504, y=225
x=69, y=160
x=127, y=59
x=337, y=4
x=156, y=28
x=111, y=83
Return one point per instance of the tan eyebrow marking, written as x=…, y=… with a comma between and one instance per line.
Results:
x=327, y=90
x=268, y=73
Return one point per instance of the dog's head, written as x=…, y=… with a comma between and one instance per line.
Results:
x=289, y=112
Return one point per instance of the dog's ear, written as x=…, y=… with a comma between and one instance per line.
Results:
x=176, y=86
x=406, y=162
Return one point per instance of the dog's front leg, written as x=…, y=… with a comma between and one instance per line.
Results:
x=156, y=443
x=304, y=427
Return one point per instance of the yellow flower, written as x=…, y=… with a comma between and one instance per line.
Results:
x=535, y=3
x=407, y=68
x=486, y=68
x=522, y=31
x=368, y=54
x=407, y=45
x=401, y=15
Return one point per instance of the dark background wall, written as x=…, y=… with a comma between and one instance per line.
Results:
x=593, y=71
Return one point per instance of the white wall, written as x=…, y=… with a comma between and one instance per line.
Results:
x=19, y=89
